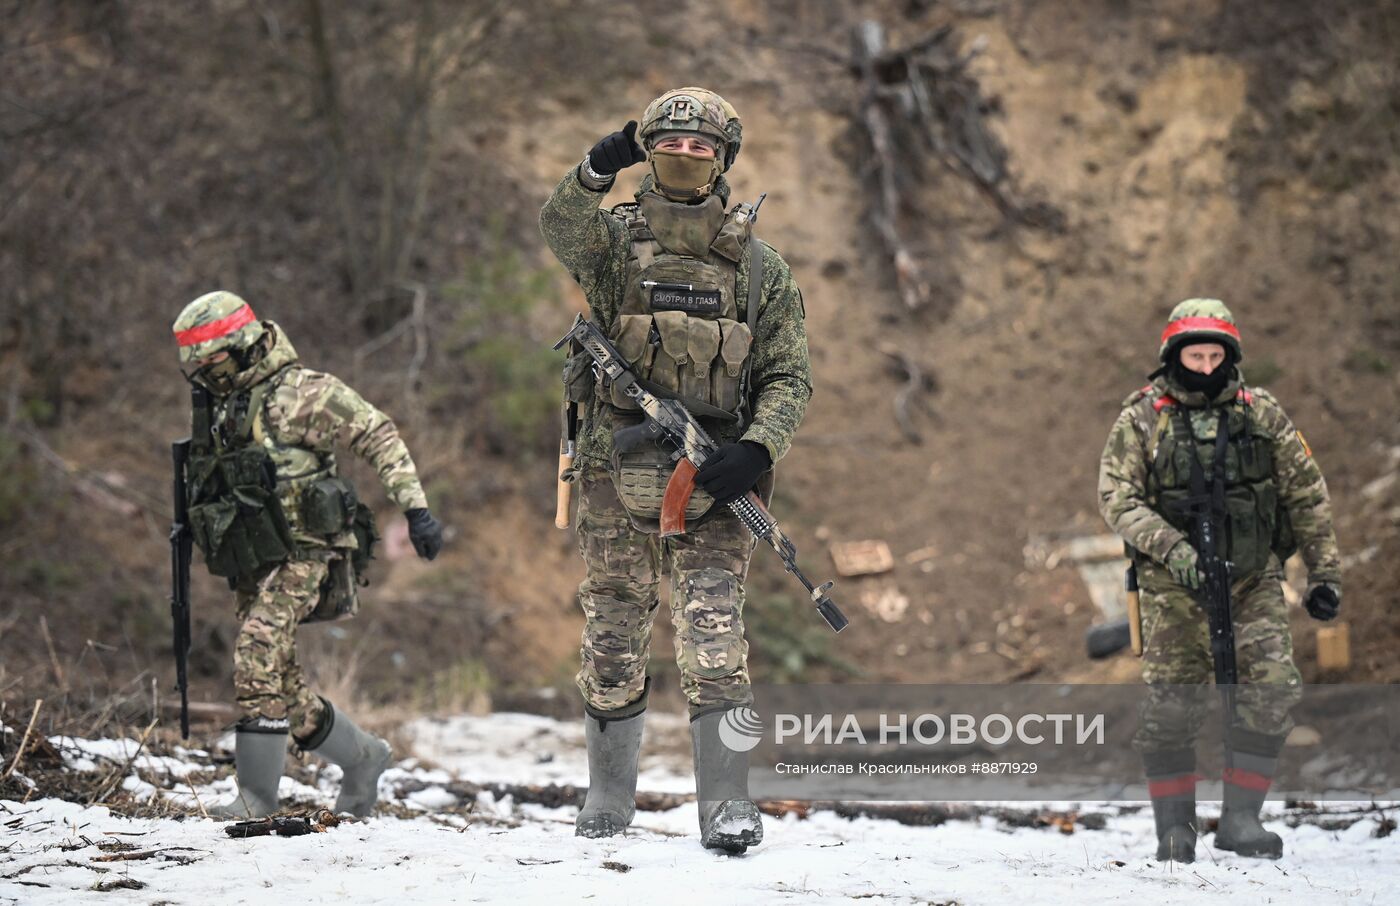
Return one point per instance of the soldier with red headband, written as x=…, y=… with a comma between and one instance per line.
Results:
x=271, y=514
x=1275, y=502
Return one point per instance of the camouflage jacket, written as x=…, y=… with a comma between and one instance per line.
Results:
x=593, y=245
x=1124, y=479
x=315, y=411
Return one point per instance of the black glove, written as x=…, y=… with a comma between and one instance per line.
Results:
x=617, y=151
x=425, y=532
x=1323, y=602
x=733, y=470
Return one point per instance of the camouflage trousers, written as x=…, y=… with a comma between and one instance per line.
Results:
x=1177, y=664
x=270, y=684
x=619, y=596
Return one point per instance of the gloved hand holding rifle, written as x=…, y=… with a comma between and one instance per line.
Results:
x=668, y=420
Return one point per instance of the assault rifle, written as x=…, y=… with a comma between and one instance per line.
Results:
x=1205, y=507
x=180, y=552
x=284, y=825
x=668, y=421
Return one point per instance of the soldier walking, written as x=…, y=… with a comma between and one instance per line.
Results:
x=272, y=516
x=709, y=316
x=1275, y=502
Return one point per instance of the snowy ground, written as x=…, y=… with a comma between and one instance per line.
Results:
x=50, y=850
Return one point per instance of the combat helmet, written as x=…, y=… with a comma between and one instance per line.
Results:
x=216, y=322
x=696, y=110
x=1200, y=321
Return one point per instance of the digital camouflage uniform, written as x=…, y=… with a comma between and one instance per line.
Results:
x=708, y=564
x=306, y=414
x=1161, y=452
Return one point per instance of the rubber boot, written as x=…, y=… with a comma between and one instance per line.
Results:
x=1247, y=782
x=1176, y=829
x=729, y=819
x=362, y=757
x=258, y=756
x=1171, y=782
x=613, y=747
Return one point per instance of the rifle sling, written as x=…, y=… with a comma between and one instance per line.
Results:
x=695, y=407
x=751, y=319
x=1214, y=496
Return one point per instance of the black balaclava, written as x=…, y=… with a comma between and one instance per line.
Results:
x=1193, y=381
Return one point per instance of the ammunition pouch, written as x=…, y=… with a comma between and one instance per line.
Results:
x=1252, y=513
x=1254, y=525
x=696, y=360
x=243, y=530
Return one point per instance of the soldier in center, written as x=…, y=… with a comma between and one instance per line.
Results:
x=708, y=315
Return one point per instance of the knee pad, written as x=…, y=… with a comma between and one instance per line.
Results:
x=712, y=632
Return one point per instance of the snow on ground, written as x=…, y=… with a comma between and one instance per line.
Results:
x=528, y=854
x=528, y=748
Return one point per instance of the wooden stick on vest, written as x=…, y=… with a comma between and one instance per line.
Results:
x=1134, y=610
x=564, y=492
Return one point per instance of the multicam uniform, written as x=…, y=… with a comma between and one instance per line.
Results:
x=700, y=346
x=297, y=416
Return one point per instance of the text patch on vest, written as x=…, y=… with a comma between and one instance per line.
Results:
x=684, y=297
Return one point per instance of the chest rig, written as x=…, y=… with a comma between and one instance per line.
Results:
x=1255, y=524
x=255, y=503
x=684, y=330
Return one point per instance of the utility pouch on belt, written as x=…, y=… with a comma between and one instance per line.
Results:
x=328, y=506
x=339, y=599
x=366, y=536
x=640, y=477
x=345, y=572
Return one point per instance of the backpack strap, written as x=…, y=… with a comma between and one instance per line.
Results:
x=252, y=425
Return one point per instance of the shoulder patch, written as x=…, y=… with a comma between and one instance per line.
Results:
x=1304, y=441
